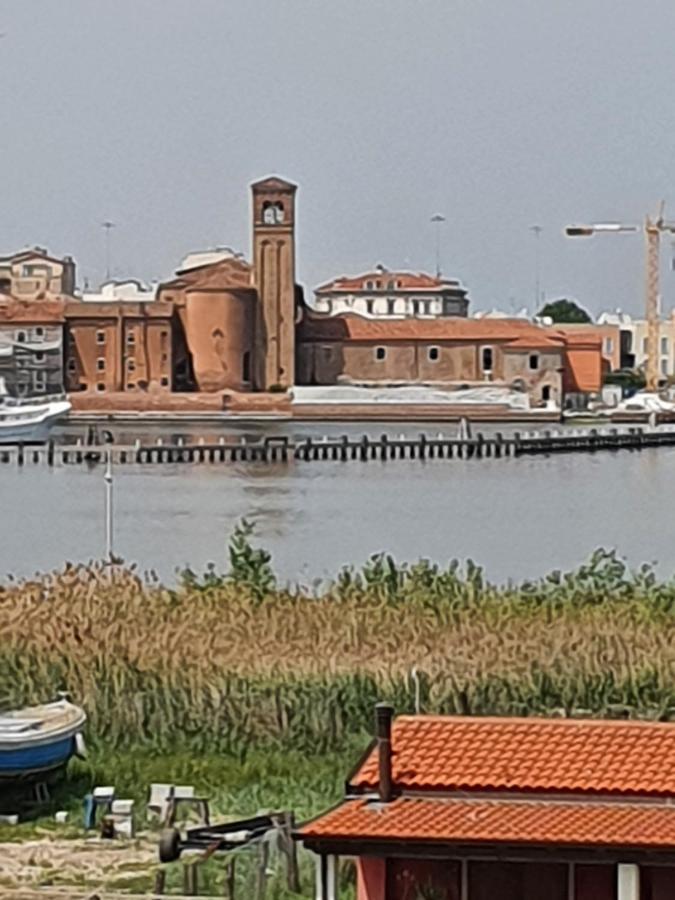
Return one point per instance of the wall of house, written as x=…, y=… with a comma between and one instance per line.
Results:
x=394, y=305
x=31, y=358
x=408, y=879
x=93, y=355
x=541, y=381
x=326, y=363
x=219, y=332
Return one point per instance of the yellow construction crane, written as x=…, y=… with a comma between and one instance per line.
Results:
x=652, y=230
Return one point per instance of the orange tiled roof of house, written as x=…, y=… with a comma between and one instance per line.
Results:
x=538, y=822
x=450, y=328
x=563, y=756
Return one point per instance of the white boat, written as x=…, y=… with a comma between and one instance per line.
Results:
x=39, y=739
x=30, y=420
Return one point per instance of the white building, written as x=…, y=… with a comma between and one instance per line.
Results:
x=131, y=291
x=394, y=295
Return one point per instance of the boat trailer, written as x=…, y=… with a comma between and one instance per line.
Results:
x=210, y=839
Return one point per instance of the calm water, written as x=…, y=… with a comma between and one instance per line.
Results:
x=518, y=518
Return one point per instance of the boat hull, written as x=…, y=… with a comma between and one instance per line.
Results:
x=37, y=740
x=31, y=431
x=29, y=763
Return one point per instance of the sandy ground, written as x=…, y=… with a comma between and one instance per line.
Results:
x=83, y=864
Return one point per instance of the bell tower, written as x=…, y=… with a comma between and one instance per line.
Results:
x=274, y=273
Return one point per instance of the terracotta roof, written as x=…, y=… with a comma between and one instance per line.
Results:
x=450, y=328
x=554, y=755
x=533, y=822
x=406, y=281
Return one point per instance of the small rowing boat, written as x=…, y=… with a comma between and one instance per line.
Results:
x=39, y=739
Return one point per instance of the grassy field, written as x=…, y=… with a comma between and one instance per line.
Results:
x=262, y=696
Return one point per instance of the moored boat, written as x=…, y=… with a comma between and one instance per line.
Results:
x=30, y=420
x=39, y=739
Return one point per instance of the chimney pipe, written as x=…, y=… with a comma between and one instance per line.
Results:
x=383, y=717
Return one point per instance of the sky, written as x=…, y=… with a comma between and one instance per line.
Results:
x=498, y=114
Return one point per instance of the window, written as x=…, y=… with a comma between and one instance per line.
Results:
x=100, y=337
x=546, y=393
x=369, y=285
x=273, y=213
x=486, y=359
x=165, y=381
x=21, y=337
x=415, y=307
x=391, y=285
x=40, y=357
x=40, y=382
x=246, y=366
x=433, y=354
x=100, y=364
x=72, y=366
x=100, y=387
x=380, y=353
x=391, y=306
x=534, y=360
x=609, y=345
x=39, y=332
x=131, y=365
x=131, y=337
x=131, y=385
x=370, y=307
x=664, y=346
x=664, y=366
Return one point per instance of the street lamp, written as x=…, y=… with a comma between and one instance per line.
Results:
x=438, y=220
x=652, y=230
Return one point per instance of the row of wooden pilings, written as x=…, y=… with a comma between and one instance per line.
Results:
x=344, y=448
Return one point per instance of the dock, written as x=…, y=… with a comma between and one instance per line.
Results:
x=283, y=449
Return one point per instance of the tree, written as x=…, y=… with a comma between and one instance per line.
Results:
x=564, y=312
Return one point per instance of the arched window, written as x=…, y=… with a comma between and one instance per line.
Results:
x=380, y=353
x=279, y=212
x=486, y=359
x=534, y=360
x=546, y=393
x=269, y=213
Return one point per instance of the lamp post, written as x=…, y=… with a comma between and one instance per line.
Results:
x=536, y=231
x=438, y=220
x=108, y=478
x=652, y=230
x=107, y=227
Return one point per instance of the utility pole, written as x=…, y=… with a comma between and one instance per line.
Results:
x=438, y=220
x=652, y=230
x=536, y=231
x=107, y=226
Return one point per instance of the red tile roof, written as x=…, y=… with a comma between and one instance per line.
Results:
x=451, y=328
x=528, y=755
x=406, y=281
x=533, y=822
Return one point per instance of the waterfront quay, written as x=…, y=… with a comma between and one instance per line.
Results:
x=284, y=449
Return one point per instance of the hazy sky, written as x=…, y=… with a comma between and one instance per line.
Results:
x=156, y=114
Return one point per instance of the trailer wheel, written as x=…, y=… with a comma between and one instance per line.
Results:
x=169, y=845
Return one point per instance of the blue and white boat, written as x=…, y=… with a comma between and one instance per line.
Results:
x=39, y=739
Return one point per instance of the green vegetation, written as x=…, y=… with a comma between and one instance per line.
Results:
x=564, y=312
x=263, y=696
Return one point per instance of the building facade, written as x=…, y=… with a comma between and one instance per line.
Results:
x=112, y=347
x=35, y=275
x=450, y=351
x=382, y=293
x=31, y=346
x=633, y=341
